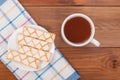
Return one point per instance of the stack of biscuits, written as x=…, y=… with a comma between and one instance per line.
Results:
x=33, y=47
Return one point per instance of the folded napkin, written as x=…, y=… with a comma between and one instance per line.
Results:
x=13, y=16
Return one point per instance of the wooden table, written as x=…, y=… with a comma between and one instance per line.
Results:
x=92, y=63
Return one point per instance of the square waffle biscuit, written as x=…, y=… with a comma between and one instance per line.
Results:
x=39, y=34
x=33, y=42
x=23, y=59
x=33, y=52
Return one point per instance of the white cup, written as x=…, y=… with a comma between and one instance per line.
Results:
x=90, y=39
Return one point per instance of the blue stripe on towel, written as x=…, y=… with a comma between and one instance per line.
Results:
x=74, y=76
x=2, y=1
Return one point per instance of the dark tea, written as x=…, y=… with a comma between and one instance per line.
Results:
x=77, y=30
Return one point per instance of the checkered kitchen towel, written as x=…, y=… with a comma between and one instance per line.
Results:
x=12, y=16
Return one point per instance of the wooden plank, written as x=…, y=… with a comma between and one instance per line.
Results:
x=91, y=63
x=5, y=74
x=106, y=20
x=95, y=63
x=71, y=2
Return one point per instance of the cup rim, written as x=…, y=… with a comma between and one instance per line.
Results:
x=91, y=25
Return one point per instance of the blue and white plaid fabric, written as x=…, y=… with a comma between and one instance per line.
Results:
x=13, y=16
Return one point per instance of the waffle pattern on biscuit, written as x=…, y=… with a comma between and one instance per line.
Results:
x=33, y=47
x=46, y=36
x=33, y=52
x=36, y=43
x=23, y=59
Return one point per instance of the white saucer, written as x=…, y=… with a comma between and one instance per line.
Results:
x=13, y=45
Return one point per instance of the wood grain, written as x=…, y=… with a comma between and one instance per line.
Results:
x=95, y=63
x=5, y=74
x=71, y=2
x=106, y=20
x=92, y=63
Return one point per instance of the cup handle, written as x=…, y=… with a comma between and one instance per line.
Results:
x=95, y=42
